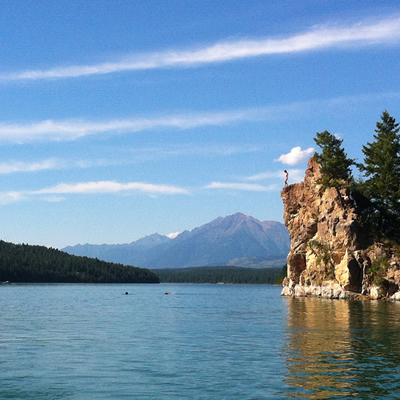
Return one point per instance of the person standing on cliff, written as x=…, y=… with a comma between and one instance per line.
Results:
x=286, y=176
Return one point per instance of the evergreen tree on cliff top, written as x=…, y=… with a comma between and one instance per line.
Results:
x=381, y=169
x=335, y=165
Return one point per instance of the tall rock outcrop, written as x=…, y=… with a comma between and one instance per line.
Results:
x=331, y=255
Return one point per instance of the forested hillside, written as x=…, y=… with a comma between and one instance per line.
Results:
x=221, y=275
x=25, y=263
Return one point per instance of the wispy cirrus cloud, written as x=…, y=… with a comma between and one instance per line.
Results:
x=140, y=155
x=386, y=30
x=190, y=150
x=295, y=175
x=68, y=130
x=265, y=175
x=56, y=193
x=14, y=166
x=111, y=187
x=241, y=186
x=22, y=166
x=73, y=129
x=12, y=197
x=195, y=149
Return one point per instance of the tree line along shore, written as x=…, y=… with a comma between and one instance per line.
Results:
x=38, y=264
x=223, y=274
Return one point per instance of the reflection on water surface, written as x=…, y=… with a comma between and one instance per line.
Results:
x=342, y=348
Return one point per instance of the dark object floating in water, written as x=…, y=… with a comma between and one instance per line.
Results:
x=126, y=293
x=166, y=292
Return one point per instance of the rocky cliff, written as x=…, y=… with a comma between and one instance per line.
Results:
x=331, y=254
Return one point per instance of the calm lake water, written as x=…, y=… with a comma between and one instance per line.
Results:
x=198, y=342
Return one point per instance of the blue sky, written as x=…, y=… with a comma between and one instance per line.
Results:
x=119, y=119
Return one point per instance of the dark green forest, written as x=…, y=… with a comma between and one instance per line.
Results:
x=25, y=263
x=221, y=274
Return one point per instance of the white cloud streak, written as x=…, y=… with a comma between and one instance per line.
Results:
x=295, y=176
x=13, y=166
x=50, y=130
x=194, y=149
x=296, y=156
x=241, y=186
x=265, y=175
x=21, y=166
x=189, y=150
x=318, y=38
x=110, y=187
x=68, y=130
x=56, y=192
x=141, y=155
x=12, y=197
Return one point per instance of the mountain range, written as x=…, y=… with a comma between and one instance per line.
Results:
x=235, y=240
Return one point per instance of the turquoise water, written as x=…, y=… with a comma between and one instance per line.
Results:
x=198, y=342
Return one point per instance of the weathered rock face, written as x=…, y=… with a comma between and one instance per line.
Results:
x=331, y=255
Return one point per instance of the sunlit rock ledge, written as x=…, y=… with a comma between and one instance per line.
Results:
x=331, y=254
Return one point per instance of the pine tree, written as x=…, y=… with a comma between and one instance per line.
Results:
x=381, y=170
x=335, y=165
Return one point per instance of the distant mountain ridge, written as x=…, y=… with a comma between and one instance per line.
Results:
x=237, y=239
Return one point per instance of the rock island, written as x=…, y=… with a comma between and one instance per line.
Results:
x=332, y=255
